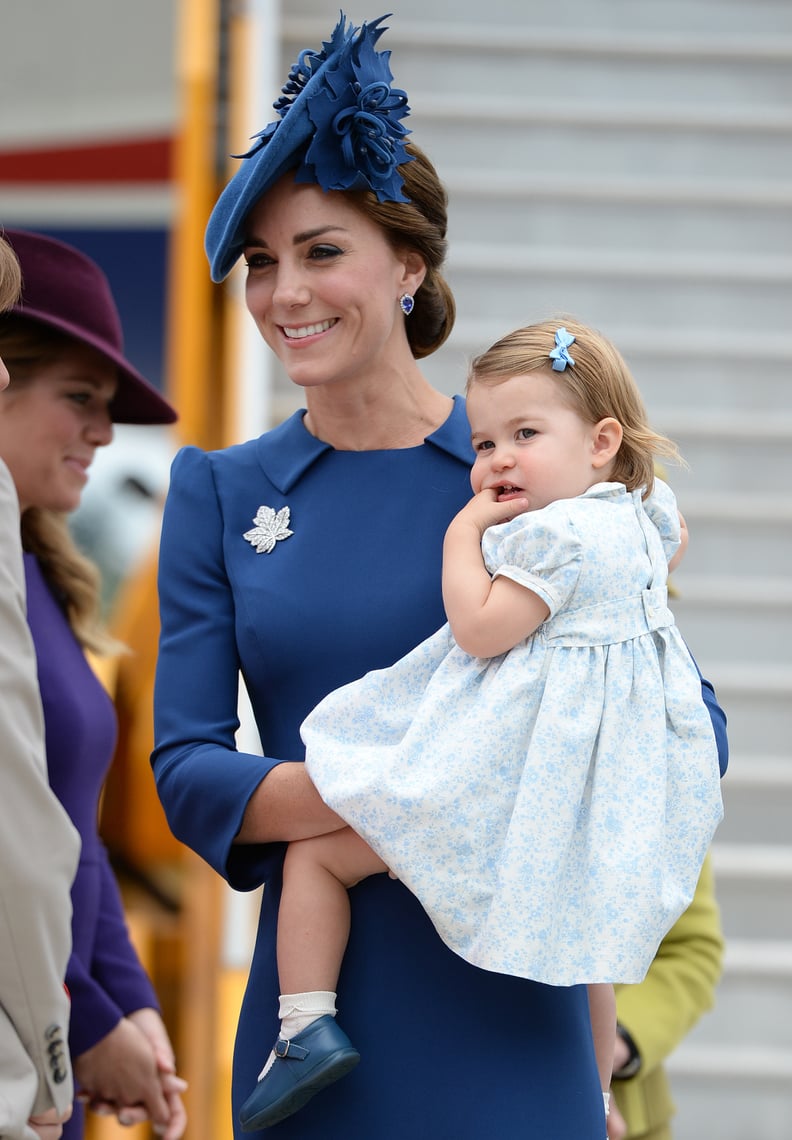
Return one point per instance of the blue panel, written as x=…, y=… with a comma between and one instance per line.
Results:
x=135, y=262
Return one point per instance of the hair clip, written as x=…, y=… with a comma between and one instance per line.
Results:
x=559, y=355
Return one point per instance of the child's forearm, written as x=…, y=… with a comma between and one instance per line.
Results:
x=466, y=582
x=487, y=616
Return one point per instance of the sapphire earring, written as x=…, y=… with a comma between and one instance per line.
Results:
x=407, y=303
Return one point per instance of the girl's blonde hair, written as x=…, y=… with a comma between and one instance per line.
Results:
x=73, y=578
x=597, y=386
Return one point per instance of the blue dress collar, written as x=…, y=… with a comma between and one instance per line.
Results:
x=287, y=451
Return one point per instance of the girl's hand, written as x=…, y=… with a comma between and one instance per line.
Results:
x=484, y=511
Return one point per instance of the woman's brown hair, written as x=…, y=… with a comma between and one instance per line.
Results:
x=419, y=225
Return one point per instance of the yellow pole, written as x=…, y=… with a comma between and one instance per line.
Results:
x=195, y=378
x=194, y=319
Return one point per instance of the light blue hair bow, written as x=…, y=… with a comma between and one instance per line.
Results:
x=559, y=355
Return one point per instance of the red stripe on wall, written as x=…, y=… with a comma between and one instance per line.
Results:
x=133, y=160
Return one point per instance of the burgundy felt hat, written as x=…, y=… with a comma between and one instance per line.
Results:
x=63, y=288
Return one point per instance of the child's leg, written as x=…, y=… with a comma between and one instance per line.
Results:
x=602, y=1008
x=313, y=929
x=313, y=919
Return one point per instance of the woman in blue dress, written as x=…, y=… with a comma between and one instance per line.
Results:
x=311, y=555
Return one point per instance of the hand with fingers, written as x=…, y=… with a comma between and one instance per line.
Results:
x=131, y=1072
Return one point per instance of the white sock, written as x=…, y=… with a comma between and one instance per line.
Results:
x=297, y=1012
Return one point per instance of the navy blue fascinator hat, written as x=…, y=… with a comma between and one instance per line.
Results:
x=339, y=128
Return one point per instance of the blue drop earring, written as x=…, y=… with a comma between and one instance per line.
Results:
x=407, y=303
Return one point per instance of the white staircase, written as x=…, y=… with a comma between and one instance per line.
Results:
x=631, y=163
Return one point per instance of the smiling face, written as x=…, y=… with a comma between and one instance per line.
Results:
x=531, y=444
x=324, y=284
x=51, y=423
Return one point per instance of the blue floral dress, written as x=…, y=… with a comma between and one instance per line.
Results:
x=549, y=807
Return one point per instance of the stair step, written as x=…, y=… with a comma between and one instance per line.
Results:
x=753, y=887
x=564, y=138
x=714, y=616
x=602, y=263
x=750, y=956
x=565, y=284
x=750, y=772
x=753, y=1001
x=752, y=861
x=620, y=218
x=772, y=119
x=741, y=508
x=712, y=590
x=507, y=37
x=751, y=1105
x=731, y=1063
x=666, y=83
x=591, y=187
x=757, y=800
x=726, y=427
x=554, y=19
x=757, y=700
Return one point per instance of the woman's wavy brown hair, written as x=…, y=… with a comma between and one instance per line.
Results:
x=421, y=226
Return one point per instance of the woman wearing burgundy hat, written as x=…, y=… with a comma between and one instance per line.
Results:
x=307, y=557
x=69, y=381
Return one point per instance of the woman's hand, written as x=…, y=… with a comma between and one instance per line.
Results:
x=153, y=1027
x=130, y=1072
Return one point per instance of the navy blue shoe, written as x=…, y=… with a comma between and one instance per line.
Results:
x=315, y=1058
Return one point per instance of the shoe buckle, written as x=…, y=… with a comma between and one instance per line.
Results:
x=285, y=1048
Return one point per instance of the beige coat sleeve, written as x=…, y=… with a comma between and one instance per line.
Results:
x=39, y=849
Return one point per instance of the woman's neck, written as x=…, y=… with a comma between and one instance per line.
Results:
x=387, y=419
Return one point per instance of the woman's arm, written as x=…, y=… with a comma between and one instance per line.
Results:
x=286, y=806
x=225, y=804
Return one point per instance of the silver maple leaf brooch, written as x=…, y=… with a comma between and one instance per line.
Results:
x=271, y=527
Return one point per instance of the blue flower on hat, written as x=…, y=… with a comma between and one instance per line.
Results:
x=339, y=127
x=358, y=138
